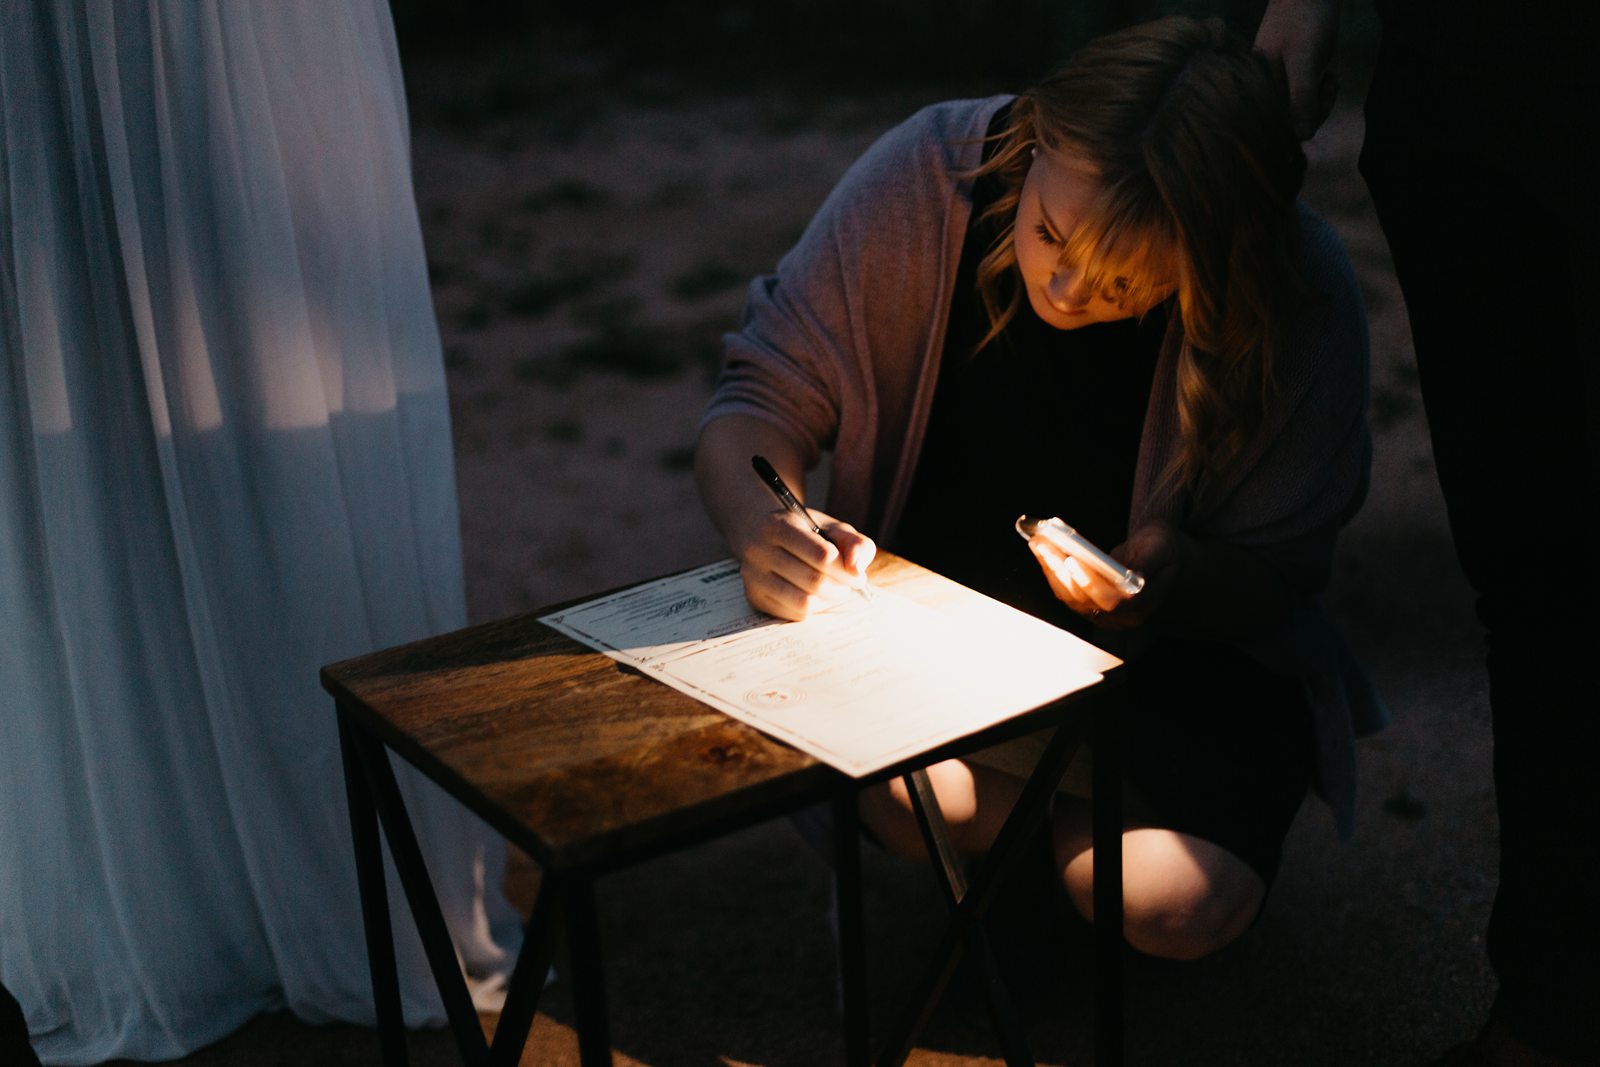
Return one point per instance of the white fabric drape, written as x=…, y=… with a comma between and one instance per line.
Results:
x=224, y=461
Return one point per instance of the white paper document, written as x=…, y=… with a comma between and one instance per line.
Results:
x=860, y=686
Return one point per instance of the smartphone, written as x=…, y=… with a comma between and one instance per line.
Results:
x=1083, y=550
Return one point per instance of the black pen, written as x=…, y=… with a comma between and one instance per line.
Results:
x=787, y=499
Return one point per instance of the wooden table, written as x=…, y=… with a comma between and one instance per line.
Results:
x=589, y=766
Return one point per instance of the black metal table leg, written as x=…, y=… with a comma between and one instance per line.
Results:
x=852, y=929
x=375, y=802
x=1108, y=938
x=947, y=864
x=1026, y=816
x=374, y=901
x=527, y=977
x=588, y=980
x=413, y=872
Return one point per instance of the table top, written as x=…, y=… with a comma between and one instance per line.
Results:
x=582, y=761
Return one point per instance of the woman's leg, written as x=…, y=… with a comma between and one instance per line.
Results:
x=974, y=799
x=1217, y=757
x=1183, y=897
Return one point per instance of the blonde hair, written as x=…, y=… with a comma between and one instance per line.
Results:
x=1188, y=134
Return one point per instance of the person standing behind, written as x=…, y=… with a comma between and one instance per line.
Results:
x=224, y=462
x=1480, y=156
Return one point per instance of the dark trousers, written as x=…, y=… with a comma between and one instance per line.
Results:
x=14, y=1047
x=1492, y=223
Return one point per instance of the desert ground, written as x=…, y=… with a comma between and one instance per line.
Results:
x=587, y=248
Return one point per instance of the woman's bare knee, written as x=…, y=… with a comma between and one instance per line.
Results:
x=1183, y=897
x=887, y=811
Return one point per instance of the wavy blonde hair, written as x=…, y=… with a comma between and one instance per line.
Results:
x=1188, y=134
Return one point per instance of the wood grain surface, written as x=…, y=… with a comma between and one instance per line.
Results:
x=574, y=757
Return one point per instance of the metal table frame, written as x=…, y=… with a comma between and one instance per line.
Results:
x=376, y=804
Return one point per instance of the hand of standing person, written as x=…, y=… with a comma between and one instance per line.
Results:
x=1298, y=37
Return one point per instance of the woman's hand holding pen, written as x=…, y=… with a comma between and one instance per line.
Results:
x=792, y=566
x=1156, y=550
x=791, y=572
x=800, y=576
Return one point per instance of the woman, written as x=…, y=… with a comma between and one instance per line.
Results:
x=1098, y=300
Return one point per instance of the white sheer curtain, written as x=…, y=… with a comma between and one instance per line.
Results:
x=224, y=461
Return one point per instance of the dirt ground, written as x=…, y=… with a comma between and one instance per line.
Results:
x=586, y=255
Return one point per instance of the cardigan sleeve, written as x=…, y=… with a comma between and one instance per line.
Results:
x=786, y=363
x=837, y=345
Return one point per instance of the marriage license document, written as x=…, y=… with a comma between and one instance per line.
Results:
x=860, y=686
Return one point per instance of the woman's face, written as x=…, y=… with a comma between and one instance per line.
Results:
x=1054, y=197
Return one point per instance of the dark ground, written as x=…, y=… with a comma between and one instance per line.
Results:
x=590, y=225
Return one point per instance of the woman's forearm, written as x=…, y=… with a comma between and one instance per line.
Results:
x=734, y=497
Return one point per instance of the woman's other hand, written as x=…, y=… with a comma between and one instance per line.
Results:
x=1155, y=550
x=1298, y=39
x=790, y=572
